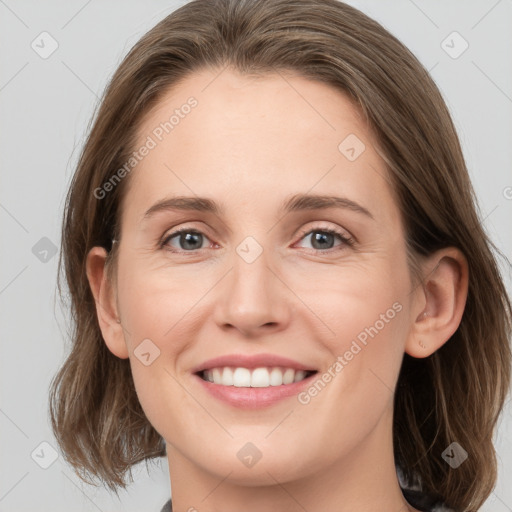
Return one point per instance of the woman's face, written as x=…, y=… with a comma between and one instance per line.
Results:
x=263, y=274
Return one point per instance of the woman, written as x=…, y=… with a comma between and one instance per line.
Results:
x=338, y=339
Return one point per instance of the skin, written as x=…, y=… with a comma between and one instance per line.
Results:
x=249, y=144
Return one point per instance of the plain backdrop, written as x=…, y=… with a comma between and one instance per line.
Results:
x=46, y=105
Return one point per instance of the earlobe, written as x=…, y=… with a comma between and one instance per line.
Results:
x=104, y=297
x=441, y=301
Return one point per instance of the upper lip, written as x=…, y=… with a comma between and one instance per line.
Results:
x=250, y=361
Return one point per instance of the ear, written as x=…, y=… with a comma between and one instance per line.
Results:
x=106, y=307
x=440, y=302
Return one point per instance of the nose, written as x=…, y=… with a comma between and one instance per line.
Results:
x=253, y=299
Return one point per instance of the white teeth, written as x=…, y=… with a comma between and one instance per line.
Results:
x=260, y=378
x=288, y=376
x=256, y=378
x=226, y=377
x=241, y=378
x=276, y=377
x=299, y=375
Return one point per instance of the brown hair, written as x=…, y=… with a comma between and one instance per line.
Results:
x=456, y=394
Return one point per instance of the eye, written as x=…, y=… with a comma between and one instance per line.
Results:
x=187, y=240
x=322, y=239
x=190, y=240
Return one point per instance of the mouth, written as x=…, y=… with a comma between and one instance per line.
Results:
x=261, y=377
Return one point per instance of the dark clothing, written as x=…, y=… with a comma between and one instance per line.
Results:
x=167, y=507
x=415, y=499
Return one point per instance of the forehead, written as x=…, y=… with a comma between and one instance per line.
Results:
x=228, y=101
x=249, y=139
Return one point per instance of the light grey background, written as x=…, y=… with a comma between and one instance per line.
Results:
x=46, y=105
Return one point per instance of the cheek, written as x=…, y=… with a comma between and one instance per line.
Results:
x=364, y=312
x=358, y=302
x=356, y=385
x=161, y=319
x=154, y=304
x=369, y=340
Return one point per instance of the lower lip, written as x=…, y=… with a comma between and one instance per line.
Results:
x=254, y=398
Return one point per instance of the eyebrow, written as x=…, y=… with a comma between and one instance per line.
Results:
x=295, y=203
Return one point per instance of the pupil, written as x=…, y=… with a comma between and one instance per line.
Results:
x=190, y=238
x=319, y=237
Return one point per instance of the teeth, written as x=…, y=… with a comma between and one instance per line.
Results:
x=256, y=378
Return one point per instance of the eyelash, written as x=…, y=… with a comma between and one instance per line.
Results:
x=346, y=240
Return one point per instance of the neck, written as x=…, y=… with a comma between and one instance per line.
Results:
x=363, y=480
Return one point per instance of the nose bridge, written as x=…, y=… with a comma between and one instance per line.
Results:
x=251, y=270
x=253, y=295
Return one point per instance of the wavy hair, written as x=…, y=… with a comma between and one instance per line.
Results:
x=457, y=393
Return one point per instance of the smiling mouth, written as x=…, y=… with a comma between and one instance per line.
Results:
x=262, y=377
